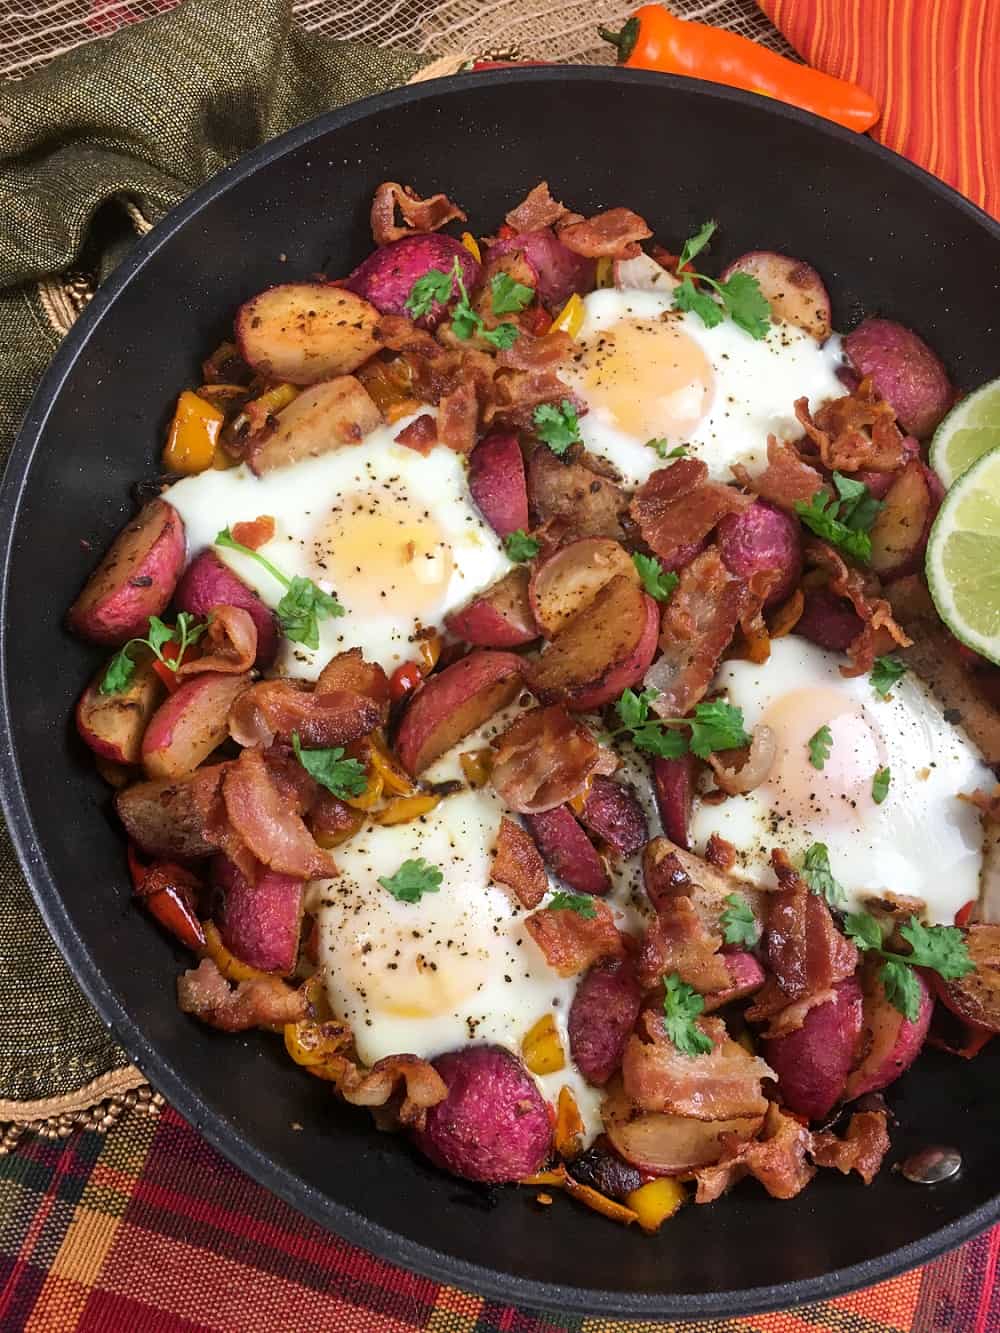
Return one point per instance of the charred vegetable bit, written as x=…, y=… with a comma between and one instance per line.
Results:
x=819, y=747
x=557, y=427
x=940, y=948
x=844, y=520
x=519, y=546
x=342, y=777
x=880, y=785
x=681, y=1006
x=886, y=672
x=739, y=925
x=817, y=874
x=304, y=604
x=658, y=582
x=714, y=726
x=412, y=880
x=740, y=294
x=187, y=631
x=436, y=286
x=580, y=903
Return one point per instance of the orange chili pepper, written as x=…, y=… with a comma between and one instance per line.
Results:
x=654, y=39
x=404, y=680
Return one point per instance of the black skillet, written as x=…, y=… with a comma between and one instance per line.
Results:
x=886, y=237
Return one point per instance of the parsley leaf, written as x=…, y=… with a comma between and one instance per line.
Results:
x=717, y=726
x=434, y=286
x=739, y=925
x=940, y=948
x=681, y=1006
x=412, y=880
x=902, y=989
x=509, y=296
x=858, y=507
x=885, y=672
x=664, y=450
x=121, y=668
x=714, y=726
x=658, y=582
x=695, y=244
x=740, y=294
x=745, y=304
x=880, y=785
x=633, y=709
x=519, y=546
x=863, y=929
x=819, y=747
x=703, y=304
x=343, y=777
x=817, y=874
x=557, y=427
x=304, y=604
x=820, y=515
x=504, y=335
x=580, y=903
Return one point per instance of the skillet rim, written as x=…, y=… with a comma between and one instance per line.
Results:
x=223, y=1135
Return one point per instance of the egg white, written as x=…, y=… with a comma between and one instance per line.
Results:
x=922, y=841
x=753, y=385
x=415, y=547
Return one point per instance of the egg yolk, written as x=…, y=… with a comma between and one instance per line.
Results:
x=840, y=791
x=383, y=556
x=414, y=974
x=649, y=377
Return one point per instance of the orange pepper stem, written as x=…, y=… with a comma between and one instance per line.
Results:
x=624, y=41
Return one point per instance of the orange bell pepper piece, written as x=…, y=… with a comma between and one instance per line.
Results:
x=194, y=433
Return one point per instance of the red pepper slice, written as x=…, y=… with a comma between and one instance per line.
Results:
x=167, y=674
x=537, y=320
x=167, y=891
x=404, y=680
x=963, y=913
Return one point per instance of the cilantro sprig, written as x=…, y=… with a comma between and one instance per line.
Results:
x=880, y=785
x=438, y=286
x=942, y=949
x=885, y=673
x=558, y=427
x=304, y=604
x=121, y=668
x=820, y=743
x=580, y=903
x=663, y=449
x=844, y=519
x=817, y=874
x=520, y=547
x=658, y=582
x=509, y=297
x=713, y=726
x=681, y=1006
x=740, y=295
x=739, y=925
x=412, y=880
x=341, y=777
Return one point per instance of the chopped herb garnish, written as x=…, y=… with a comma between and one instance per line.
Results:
x=681, y=1006
x=844, y=519
x=412, y=880
x=880, y=785
x=739, y=925
x=819, y=747
x=509, y=296
x=580, y=903
x=739, y=296
x=121, y=668
x=658, y=582
x=519, y=546
x=304, y=604
x=557, y=427
x=885, y=673
x=436, y=285
x=664, y=450
x=713, y=726
x=817, y=874
x=940, y=948
x=342, y=777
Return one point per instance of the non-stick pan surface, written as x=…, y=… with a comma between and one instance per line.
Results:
x=886, y=237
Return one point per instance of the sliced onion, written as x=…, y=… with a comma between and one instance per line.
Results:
x=759, y=762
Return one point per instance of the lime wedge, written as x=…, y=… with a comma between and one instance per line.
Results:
x=971, y=429
x=963, y=557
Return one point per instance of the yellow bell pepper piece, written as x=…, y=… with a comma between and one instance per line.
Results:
x=472, y=245
x=194, y=433
x=372, y=793
x=406, y=808
x=542, y=1049
x=430, y=651
x=228, y=964
x=570, y=317
x=310, y=1043
x=255, y=414
x=394, y=781
x=569, y=1124
x=605, y=276
x=477, y=766
x=655, y=1201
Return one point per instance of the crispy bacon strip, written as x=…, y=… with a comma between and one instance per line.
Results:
x=861, y=1149
x=516, y=394
x=255, y=532
x=615, y=233
x=786, y=480
x=229, y=645
x=570, y=942
x=720, y=853
x=678, y=941
x=722, y=1085
x=777, y=1159
x=264, y=823
x=422, y=1086
x=880, y=631
x=458, y=414
x=543, y=760
x=669, y=871
x=678, y=507
x=518, y=863
x=277, y=708
x=529, y=353
x=418, y=215
x=537, y=209
x=262, y=1002
x=350, y=671
x=855, y=432
x=396, y=333
x=420, y=435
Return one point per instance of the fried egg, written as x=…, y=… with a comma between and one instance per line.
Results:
x=392, y=532
x=922, y=841
x=648, y=372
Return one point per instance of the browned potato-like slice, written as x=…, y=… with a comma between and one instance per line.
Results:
x=450, y=705
x=793, y=289
x=669, y=1145
x=304, y=332
x=322, y=418
x=113, y=724
x=190, y=724
x=164, y=819
x=568, y=580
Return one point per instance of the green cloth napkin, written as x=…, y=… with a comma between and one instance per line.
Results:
x=132, y=122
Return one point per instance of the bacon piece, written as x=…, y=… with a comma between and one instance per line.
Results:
x=720, y=853
x=805, y=953
x=229, y=645
x=669, y=872
x=861, y=1149
x=418, y=215
x=422, y=1086
x=722, y=1085
x=615, y=233
x=518, y=863
x=261, y=1002
x=786, y=480
x=570, y=942
x=350, y=671
x=277, y=708
x=678, y=941
x=255, y=532
x=543, y=353
x=458, y=414
x=516, y=394
x=398, y=334
x=264, y=823
x=420, y=435
x=677, y=507
x=880, y=631
x=543, y=759
x=777, y=1159
x=537, y=209
x=697, y=627
x=855, y=432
